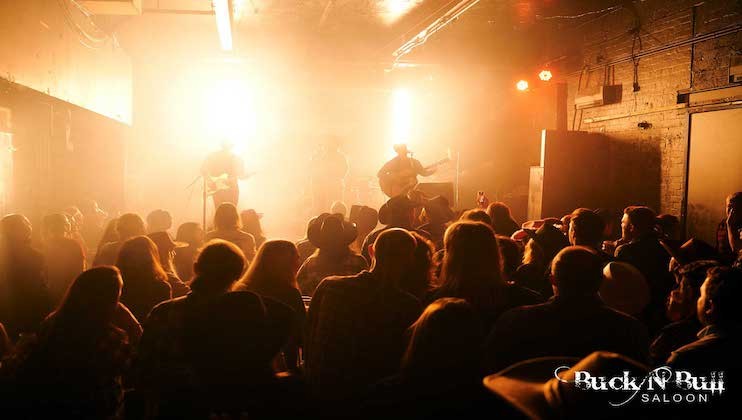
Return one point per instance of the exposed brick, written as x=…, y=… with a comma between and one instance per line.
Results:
x=660, y=77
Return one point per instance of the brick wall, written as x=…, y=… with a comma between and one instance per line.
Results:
x=650, y=164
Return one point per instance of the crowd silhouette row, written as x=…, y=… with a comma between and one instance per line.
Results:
x=411, y=311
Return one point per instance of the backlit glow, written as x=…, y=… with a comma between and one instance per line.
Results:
x=391, y=10
x=223, y=23
x=401, y=118
x=522, y=85
x=545, y=75
x=229, y=113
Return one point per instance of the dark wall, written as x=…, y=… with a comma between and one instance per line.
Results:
x=62, y=155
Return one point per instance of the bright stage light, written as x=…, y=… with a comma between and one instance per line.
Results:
x=522, y=85
x=545, y=75
x=229, y=114
x=391, y=10
x=224, y=23
x=401, y=117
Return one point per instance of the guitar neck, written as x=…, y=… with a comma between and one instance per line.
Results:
x=435, y=164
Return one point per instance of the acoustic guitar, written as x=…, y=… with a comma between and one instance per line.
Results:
x=401, y=182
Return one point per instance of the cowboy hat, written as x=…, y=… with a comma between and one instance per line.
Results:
x=624, y=288
x=327, y=230
x=532, y=386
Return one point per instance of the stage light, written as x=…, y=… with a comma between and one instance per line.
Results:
x=545, y=75
x=401, y=117
x=229, y=112
x=391, y=10
x=223, y=12
x=522, y=85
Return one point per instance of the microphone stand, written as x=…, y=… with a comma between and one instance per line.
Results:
x=204, y=197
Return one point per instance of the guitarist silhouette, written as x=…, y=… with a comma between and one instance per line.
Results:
x=399, y=175
x=221, y=170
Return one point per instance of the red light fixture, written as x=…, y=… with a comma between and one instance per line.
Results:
x=545, y=75
x=522, y=85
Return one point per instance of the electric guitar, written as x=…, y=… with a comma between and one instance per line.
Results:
x=223, y=182
x=401, y=182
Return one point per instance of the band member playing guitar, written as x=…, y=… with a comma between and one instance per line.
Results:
x=221, y=170
x=399, y=175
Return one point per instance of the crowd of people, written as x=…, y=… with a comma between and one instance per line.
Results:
x=411, y=311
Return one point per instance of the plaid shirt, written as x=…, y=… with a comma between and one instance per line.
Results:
x=58, y=375
x=356, y=333
x=316, y=268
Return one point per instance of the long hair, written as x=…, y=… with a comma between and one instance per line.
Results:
x=273, y=268
x=420, y=277
x=533, y=254
x=91, y=296
x=471, y=266
x=89, y=304
x=139, y=263
x=447, y=340
x=110, y=233
x=502, y=221
x=226, y=217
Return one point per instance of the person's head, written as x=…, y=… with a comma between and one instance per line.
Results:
x=734, y=202
x=130, y=225
x=586, y=228
x=89, y=207
x=544, y=244
x=251, y=222
x=139, y=262
x=16, y=229
x=668, y=225
x=401, y=150
x=392, y=254
x=612, y=220
x=689, y=278
x=398, y=211
x=624, y=288
x=274, y=266
x=91, y=299
x=577, y=271
x=159, y=221
x=226, y=217
x=637, y=221
x=55, y=226
x=476, y=215
x=721, y=292
x=547, y=387
x=471, y=265
x=365, y=219
x=418, y=281
x=190, y=233
x=499, y=212
x=338, y=207
x=166, y=248
x=564, y=223
x=218, y=265
x=510, y=253
x=76, y=216
x=445, y=342
x=331, y=234
x=437, y=210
